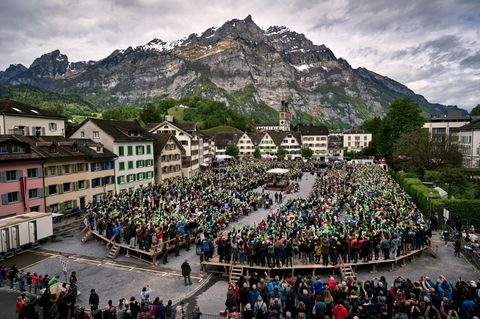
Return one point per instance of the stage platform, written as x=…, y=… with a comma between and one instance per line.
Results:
x=230, y=270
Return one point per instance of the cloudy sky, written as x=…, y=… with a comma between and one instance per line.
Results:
x=432, y=46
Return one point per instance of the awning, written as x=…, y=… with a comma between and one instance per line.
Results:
x=280, y=171
x=56, y=215
x=204, y=165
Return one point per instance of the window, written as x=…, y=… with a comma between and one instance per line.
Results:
x=93, y=167
x=52, y=171
x=3, y=149
x=52, y=189
x=140, y=150
x=81, y=184
x=99, y=149
x=149, y=149
x=121, y=166
x=52, y=126
x=80, y=167
x=82, y=134
x=32, y=172
x=140, y=163
x=53, y=208
x=120, y=151
x=11, y=176
x=68, y=204
x=120, y=180
x=67, y=187
x=96, y=134
x=130, y=164
x=66, y=169
x=130, y=150
x=35, y=208
x=13, y=197
x=33, y=193
x=18, y=149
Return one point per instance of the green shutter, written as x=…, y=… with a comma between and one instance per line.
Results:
x=121, y=151
x=59, y=170
x=119, y=180
x=130, y=150
x=75, y=186
x=149, y=149
x=46, y=191
x=87, y=183
x=60, y=188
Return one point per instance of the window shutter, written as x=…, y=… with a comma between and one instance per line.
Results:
x=87, y=183
x=60, y=188
x=112, y=179
x=39, y=172
x=119, y=180
x=4, y=199
x=45, y=171
x=40, y=192
x=74, y=203
x=60, y=207
x=73, y=168
x=75, y=186
x=59, y=170
x=3, y=177
x=19, y=173
x=46, y=191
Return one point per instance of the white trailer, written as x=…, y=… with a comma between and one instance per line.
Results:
x=20, y=230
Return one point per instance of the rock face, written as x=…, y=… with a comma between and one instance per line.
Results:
x=238, y=63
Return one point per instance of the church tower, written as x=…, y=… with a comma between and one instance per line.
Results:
x=285, y=117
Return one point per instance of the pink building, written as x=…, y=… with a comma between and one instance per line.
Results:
x=21, y=178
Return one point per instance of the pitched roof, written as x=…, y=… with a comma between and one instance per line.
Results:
x=187, y=126
x=256, y=137
x=161, y=139
x=151, y=126
x=277, y=137
x=224, y=139
x=12, y=107
x=121, y=131
x=312, y=130
x=475, y=125
x=30, y=154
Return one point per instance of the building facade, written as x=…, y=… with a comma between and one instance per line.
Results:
x=168, y=157
x=134, y=166
x=469, y=144
x=21, y=178
x=314, y=138
x=355, y=141
x=440, y=128
x=21, y=119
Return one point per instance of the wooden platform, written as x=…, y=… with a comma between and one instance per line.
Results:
x=225, y=269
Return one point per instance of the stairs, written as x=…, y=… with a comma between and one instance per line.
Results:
x=346, y=270
x=113, y=252
x=235, y=272
x=86, y=235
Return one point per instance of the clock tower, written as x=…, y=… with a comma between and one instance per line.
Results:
x=285, y=117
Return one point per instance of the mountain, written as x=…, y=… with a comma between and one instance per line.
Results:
x=249, y=68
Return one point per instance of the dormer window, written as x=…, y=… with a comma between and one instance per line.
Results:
x=74, y=148
x=3, y=149
x=18, y=149
x=99, y=149
x=52, y=148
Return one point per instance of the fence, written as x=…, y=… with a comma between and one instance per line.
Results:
x=472, y=255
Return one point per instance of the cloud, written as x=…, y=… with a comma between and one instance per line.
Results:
x=413, y=41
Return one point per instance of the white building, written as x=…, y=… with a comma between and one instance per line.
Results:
x=469, y=144
x=134, y=148
x=22, y=119
x=314, y=138
x=284, y=121
x=355, y=141
x=184, y=133
x=440, y=127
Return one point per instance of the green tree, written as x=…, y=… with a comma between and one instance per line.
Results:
x=404, y=116
x=281, y=152
x=257, y=153
x=232, y=150
x=121, y=113
x=475, y=111
x=414, y=152
x=306, y=152
x=372, y=126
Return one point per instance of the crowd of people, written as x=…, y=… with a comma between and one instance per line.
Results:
x=354, y=213
x=317, y=298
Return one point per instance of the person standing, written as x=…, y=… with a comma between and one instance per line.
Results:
x=186, y=270
x=93, y=300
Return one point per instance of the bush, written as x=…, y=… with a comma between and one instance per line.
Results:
x=419, y=192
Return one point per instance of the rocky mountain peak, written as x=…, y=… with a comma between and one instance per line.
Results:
x=245, y=29
x=12, y=71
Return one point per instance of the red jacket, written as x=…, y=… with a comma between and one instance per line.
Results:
x=340, y=312
x=20, y=305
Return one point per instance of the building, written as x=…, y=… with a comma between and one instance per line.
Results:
x=22, y=119
x=314, y=138
x=335, y=145
x=129, y=141
x=356, y=140
x=469, y=144
x=206, y=149
x=222, y=140
x=21, y=177
x=186, y=134
x=75, y=172
x=168, y=156
x=245, y=145
x=284, y=122
x=440, y=128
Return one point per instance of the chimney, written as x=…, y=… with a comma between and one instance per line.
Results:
x=169, y=118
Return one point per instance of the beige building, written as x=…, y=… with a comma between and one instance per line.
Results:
x=75, y=171
x=22, y=119
x=314, y=138
x=356, y=140
x=129, y=141
x=168, y=156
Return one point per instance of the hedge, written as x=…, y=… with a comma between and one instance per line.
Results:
x=467, y=209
